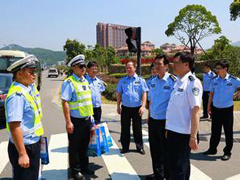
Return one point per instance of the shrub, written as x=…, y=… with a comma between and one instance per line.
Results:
x=110, y=92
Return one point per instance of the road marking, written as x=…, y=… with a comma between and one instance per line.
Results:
x=117, y=165
x=236, y=177
x=58, y=155
x=3, y=155
x=196, y=174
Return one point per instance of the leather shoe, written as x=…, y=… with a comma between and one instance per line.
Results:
x=226, y=157
x=141, y=151
x=79, y=176
x=123, y=151
x=210, y=152
x=88, y=171
x=150, y=177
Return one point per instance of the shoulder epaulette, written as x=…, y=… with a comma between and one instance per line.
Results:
x=214, y=77
x=19, y=93
x=173, y=77
x=233, y=77
x=191, y=78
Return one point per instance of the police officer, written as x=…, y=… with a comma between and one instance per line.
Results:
x=97, y=87
x=182, y=119
x=132, y=92
x=207, y=77
x=159, y=94
x=222, y=90
x=153, y=74
x=23, y=114
x=77, y=109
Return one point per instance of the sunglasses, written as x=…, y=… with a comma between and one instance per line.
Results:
x=82, y=66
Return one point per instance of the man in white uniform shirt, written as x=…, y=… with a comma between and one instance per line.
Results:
x=182, y=119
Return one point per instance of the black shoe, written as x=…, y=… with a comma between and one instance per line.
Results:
x=88, y=171
x=123, y=151
x=210, y=152
x=79, y=176
x=150, y=177
x=226, y=157
x=203, y=117
x=141, y=151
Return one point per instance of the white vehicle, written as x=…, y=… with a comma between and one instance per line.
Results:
x=52, y=72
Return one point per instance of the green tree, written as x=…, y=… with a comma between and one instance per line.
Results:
x=234, y=11
x=219, y=46
x=73, y=48
x=156, y=51
x=99, y=55
x=193, y=24
x=110, y=56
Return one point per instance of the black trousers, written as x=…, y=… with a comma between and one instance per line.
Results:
x=19, y=173
x=205, y=98
x=97, y=113
x=127, y=114
x=178, y=156
x=222, y=117
x=157, y=142
x=78, y=144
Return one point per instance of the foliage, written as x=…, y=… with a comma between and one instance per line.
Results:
x=73, y=48
x=156, y=51
x=118, y=75
x=234, y=11
x=110, y=92
x=193, y=24
x=219, y=46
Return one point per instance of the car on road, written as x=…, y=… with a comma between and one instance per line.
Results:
x=53, y=72
x=5, y=83
x=8, y=57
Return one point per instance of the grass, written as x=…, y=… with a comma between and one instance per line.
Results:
x=236, y=105
x=106, y=101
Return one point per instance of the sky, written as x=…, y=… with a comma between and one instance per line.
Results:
x=49, y=23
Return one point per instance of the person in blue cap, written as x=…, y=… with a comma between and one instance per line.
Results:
x=77, y=109
x=97, y=87
x=207, y=78
x=159, y=94
x=23, y=114
x=132, y=93
x=222, y=91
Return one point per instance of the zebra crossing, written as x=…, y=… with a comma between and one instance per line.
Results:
x=117, y=164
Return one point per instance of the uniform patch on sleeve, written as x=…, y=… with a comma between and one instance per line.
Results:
x=195, y=91
x=229, y=84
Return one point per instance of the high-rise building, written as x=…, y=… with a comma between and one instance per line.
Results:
x=111, y=35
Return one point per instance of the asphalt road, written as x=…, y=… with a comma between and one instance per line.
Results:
x=112, y=165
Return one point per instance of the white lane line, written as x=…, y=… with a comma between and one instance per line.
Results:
x=58, y=156
x=118, y=166
x=3, y=155
x=196, y=174
x=236, y=177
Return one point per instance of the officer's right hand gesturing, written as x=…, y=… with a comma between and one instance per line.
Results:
x=69, y=127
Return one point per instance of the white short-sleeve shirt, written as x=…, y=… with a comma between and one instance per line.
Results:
x=186, y=95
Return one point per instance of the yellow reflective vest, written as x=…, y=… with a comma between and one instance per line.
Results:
x=37, y=128
x=84, y=99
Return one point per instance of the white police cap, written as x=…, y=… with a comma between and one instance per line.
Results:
x=29, y=61
x=79, y=59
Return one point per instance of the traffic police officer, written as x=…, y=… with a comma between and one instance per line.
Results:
x=97, y=87
x=132, y=92
x=77, y=109
x=23, y=114
x=207, y=77
x=159, y=94
x=182, y=119
x=222, y=90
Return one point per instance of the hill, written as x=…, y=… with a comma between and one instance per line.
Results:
x=44, y=55
x=236, y=43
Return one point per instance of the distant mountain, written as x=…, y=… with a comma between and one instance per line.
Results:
x=236, y=43
x=45, y=55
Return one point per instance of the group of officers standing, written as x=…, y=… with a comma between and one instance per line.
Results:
x=173, y=103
